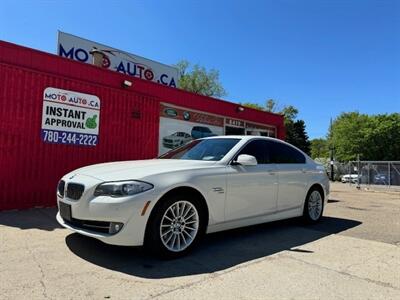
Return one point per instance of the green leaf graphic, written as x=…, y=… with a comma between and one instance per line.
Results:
x=91, y=122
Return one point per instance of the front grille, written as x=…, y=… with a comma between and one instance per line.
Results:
x=61, y=187
x=75, y=191
x=95, y=226
x=167, y=141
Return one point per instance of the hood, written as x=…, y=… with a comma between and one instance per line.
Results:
x=138, y=169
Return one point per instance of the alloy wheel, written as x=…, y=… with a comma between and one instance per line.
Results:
x=179, y=226
x=315, y=205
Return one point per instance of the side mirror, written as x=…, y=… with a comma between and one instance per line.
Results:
x=246, y=160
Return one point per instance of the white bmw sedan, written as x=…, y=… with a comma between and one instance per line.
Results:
x=207, y=185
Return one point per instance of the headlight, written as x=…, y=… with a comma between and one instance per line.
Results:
x=122, y=188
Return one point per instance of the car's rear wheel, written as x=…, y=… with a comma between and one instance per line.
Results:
x=313, y=206
x=175, y=227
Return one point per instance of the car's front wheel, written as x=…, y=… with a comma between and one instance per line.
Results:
x=313, y=206
x=175, y=227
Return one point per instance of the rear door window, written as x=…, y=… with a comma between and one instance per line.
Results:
x=258, y=149
x=281, y=153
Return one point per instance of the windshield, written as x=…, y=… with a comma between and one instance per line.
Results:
x=208, y=149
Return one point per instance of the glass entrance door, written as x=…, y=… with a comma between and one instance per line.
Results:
x=234, y=130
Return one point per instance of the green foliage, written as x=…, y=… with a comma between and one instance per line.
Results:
x=198, y=80
x=295, y=129
x=290, y=113
x=270, y=106
x=373, y=137
x=253, y=105
x=319, y=148
x=296, y=135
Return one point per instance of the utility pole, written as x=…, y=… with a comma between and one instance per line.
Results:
x=331, y=154
x=358, y=171
x=332, y=172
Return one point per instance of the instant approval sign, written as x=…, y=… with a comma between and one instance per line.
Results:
x=70, y=117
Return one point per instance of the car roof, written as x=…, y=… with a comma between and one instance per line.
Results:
x=242, y=137
x=252, y=137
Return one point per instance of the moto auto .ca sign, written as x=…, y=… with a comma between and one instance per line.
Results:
x=83, y=50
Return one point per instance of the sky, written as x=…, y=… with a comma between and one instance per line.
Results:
x=323, y=57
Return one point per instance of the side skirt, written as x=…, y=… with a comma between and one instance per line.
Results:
x=270, y=217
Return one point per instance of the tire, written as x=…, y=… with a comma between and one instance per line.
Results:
x=313, y=206
x=170, y=236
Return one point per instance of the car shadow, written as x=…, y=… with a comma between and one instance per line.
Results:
x=217, y=251
x=38, y=218
x=333, y=200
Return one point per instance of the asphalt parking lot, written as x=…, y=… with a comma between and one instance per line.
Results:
x=354, y=253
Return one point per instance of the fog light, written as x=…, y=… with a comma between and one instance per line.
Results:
x=115, y=227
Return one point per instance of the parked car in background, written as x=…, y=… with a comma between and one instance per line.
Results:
x=199, y=132
x=208, y=185
x=353, y=178
x=176, y=139
x=380, y=179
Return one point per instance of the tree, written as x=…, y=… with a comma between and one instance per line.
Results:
x=253, y=105
x=270, y=106
x=346, y=135
x=295, y=129
x=198, y=80
x=383, y=137
x=319, y=148
x=290, y=113
x=297, y=136
x=373, y=137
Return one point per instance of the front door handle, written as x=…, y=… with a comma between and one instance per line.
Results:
x=304, y=170
x=271, y=172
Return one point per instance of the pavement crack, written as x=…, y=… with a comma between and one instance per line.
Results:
x=211, y=276
x=178, y=288
x=380, y=283
x=366, y=260
x=42, y=276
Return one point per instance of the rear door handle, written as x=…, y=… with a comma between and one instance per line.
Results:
x=271, y=172
x=304, y=170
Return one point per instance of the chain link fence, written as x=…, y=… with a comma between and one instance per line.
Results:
x=382, y=173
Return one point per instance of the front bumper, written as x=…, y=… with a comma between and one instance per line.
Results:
x=131, y=234
x=126, y=210
x=171, y=144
